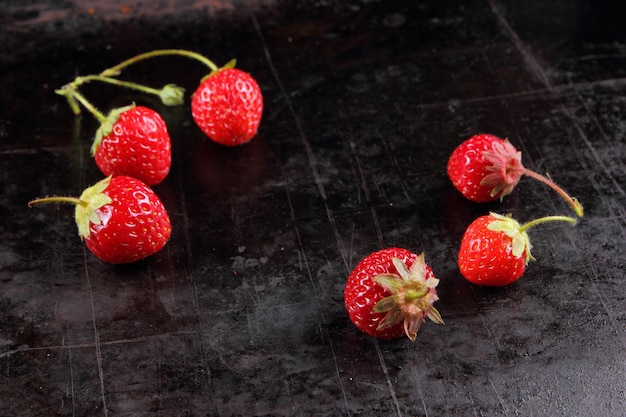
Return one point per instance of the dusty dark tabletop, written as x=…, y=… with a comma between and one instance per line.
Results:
x=242, y=313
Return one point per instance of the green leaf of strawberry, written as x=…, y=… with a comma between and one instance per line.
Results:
x=90, y=201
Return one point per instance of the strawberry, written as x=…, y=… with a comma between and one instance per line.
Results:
x=390, y=293
x=495, y=249
x=227, y=106
x=133, y=141
x=120, y=219
x=486, y=168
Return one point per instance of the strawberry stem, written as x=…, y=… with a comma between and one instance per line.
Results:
x=70, y=200
x=70, y=91
x=524, y=227
x=126, y=84
x=170, y=94
x=576, y=205
x=113, y=71
x=72, y=102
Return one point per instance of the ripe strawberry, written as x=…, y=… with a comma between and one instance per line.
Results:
x=120, y=219
x=133, y=141
x=227, y=106
x=390, y=293
x=495, y=249
x=486, y=168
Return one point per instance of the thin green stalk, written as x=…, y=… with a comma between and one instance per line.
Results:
x=113, y=71
x=576, y=205
x=546, y=219
x=73, y=104
x=126, y=84
x=70, y=200
x=82, y=100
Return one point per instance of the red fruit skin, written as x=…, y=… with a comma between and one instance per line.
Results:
x=138, y=146
x=467, y=167
x=485, y=256
x=134, y=226
x=361, y=293
x=227, y=106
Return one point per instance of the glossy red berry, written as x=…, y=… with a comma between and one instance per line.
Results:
x=133, y=141
x=390, y=293
x=227, y=106
x=485, y=168
x=493, y=251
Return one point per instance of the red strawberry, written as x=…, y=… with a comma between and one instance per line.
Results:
x=390, y=293
x=227, y=106
x=120, y=219
x=133, y=141
x=495, y=249
x=486, y=168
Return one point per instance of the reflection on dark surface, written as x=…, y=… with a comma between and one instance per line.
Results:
x=242, y=312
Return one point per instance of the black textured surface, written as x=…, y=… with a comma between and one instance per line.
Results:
x=242, y=313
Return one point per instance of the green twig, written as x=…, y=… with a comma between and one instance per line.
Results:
x=73, y=96
x=117, y=69
x=126, y=84
x=546, y=219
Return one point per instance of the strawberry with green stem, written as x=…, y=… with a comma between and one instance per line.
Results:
x=227, y=105
x=495, y=249
x=131, y=140
x=120, y=219
x=485, y=168
x=390, y=292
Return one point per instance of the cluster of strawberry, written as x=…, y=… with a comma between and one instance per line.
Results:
x=388, y=294
x=120, y=218
x=391, y=292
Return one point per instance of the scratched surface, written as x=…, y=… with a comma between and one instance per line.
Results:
x=242, y=313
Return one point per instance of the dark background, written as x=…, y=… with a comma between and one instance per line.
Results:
x=242, y=312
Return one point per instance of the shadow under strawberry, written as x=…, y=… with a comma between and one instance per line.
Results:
x=219, y=170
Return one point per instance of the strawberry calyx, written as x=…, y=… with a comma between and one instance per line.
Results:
x=94, y=198
x=412, y=297
x=517, y=232
x=520, y=241
x=91, y=199
x=172, y=95
x=506, y=168
x=106, y=126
